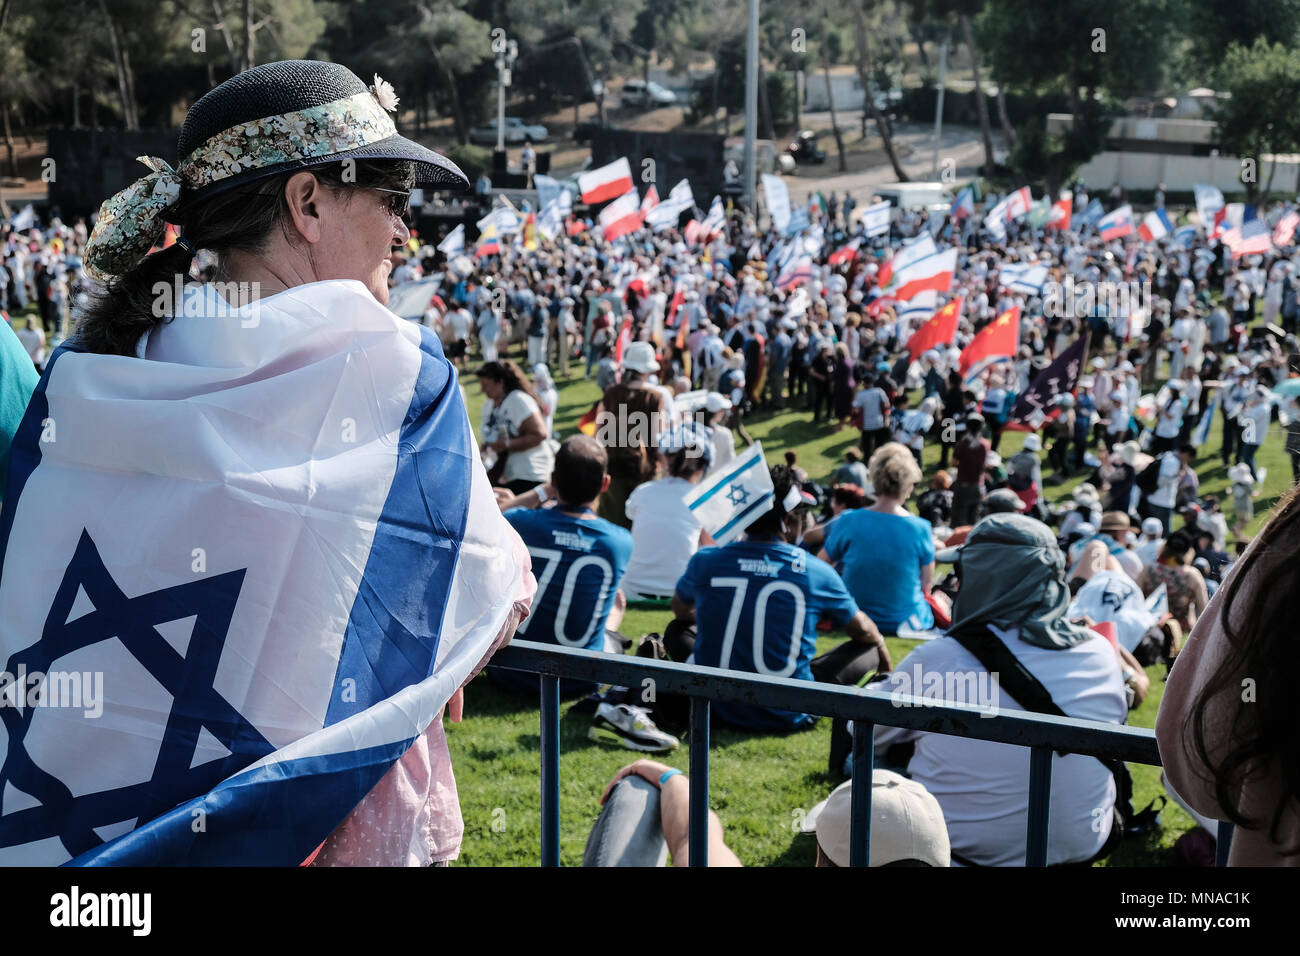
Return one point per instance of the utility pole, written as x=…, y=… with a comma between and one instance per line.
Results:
x=751, y=102
x=505, y=61
x=938, y=108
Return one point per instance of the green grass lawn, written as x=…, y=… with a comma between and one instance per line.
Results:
x=760, y=784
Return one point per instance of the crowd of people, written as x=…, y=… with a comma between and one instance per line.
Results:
x=687, y=339
x=1134, y=554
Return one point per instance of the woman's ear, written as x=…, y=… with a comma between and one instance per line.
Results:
x=303, y=195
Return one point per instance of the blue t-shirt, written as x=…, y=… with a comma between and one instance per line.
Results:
x=881, y=557
x=578, y=563
x=757, y=604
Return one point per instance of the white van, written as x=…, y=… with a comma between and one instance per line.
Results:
x=935, y=197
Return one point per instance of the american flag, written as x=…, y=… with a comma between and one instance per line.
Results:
x=1285, y=228
x=1248, y=239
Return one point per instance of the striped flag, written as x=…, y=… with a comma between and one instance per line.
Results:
x=727, y=502
x=608, y=182
x=1202, y=433
x=875, y=219
x=1117, y=224
x=845, y=253
x=1284, y=231
x=621, y=216
x=933, y=272
x=278, y=614
x=1209, y=200
x=1253, y=238
x=1025, y=277
x=454, y=242
x=1155, y=225
x=1093, y=214
x=489, y=243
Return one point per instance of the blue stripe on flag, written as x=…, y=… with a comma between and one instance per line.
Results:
x=393, y=632
x=752, y=459
x=744, y=518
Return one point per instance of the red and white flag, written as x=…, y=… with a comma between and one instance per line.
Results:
x=845, y=253
x=1254, y=238
x=608, y=182
x=650, y=201
x=932, y=272
x=623, y=341
x=1059, y=216
x=621, y=216
x=1284, y=231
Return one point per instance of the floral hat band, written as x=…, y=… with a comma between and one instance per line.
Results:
x=132, y=221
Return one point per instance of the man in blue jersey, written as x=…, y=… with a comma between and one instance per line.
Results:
x=578, y=560
x=755, y=604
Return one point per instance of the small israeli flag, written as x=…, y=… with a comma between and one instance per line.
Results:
x=729, y=501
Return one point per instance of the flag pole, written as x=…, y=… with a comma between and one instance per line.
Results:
x=751, y=102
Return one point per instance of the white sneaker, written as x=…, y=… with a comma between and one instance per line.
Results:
x=631, y=727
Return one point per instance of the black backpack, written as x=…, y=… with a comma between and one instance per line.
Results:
x=1148, y=478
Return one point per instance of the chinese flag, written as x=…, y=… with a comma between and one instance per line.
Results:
x=939, y=329
x=997, y=340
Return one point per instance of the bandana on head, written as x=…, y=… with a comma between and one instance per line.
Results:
x=132, y=221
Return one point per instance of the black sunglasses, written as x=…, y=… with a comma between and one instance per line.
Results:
x=399, y=201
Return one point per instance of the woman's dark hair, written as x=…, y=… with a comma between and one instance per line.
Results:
x=1176, y=546
x=509, y=374
x=770, y=522
x=237, y=220
x=1262, y=731
x=686, y=462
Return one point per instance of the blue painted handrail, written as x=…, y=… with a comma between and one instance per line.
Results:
x=1042, y=733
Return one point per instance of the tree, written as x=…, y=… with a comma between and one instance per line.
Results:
x=1250, y=122
x=865, y=70
x=1098, y=51
x=981, y=102
x=1213, y=26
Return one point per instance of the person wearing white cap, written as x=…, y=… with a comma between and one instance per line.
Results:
x=907, y=825
x=1152, y=540
x=629, y=420
x=717, y=409
x=548, y=397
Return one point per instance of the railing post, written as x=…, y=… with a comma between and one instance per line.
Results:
x=550, y=689
x=699, y=824
x=860, y=803
x=1040, y=800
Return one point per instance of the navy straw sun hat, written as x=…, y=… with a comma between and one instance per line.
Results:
x=289, y=86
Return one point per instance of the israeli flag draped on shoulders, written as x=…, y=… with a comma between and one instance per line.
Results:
x=270, y=533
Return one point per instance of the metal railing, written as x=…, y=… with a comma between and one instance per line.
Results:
x=1042, y=733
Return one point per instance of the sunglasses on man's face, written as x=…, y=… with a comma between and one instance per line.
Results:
x=398, y=201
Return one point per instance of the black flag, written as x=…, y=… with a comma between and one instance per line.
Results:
x=1036, y=406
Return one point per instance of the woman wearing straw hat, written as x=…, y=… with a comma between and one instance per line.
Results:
x=298, y=446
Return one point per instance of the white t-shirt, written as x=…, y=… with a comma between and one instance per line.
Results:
x=983, y=787
x=664, y=538
x=1166, y=493
x=724, y=446
x=1115, y=597
x=532, y=464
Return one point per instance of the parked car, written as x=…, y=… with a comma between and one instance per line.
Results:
x=646, y=95
x=516, y=132
x=933, y=197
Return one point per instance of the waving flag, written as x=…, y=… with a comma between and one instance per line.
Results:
x=796, y=272
x=454, y=242
x=1185, y=236
x=1284, y=231
x=1155, y=226
x=528, y=236
x=777, y=196
x=1027, y=277
x=1038, y=405
x=550, y=221
x=608, y=182
x=905, y=256
x=933, y=272
x=963, y=205
x=845, y=253
x=994, y=343
x=24, y=219
x=875, y=219
x=1059, y=216
x=940, y=329
x=1209, y=200
x=1202, y=433
x=1254, y=238
x=489, y=244
x=667, y=214
x=715, y=223
x=621, y=216
x=735, y=496
x=1093, y=214
x=1227, y=218
x=799, y=221
x=278, y=610
x=1116, y=225
x=650, y=201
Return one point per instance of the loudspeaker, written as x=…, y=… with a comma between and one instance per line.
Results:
x=543, y=164
x=498, y=161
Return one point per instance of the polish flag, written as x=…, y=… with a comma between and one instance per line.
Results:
x=621, y=216
x=608, y=182
x=650, y=201
x=939, y=329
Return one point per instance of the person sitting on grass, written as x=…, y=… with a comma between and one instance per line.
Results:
x=579, y=560
x=753, y=605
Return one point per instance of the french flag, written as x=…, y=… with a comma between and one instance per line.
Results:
x=1155, y=225
x=621, y=216
x=608, y=182
x=1117, y=224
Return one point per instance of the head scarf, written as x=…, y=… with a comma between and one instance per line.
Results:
x=1013, y=575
